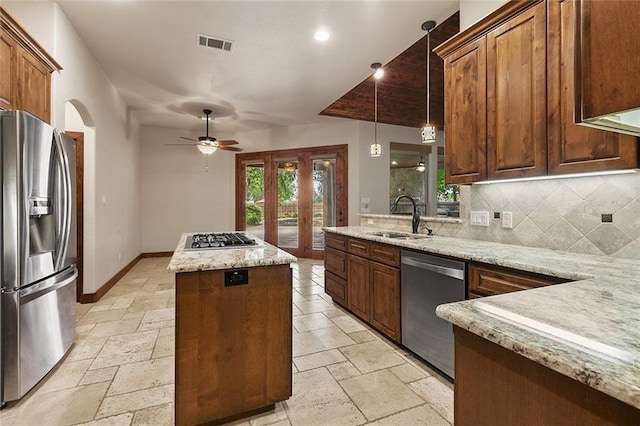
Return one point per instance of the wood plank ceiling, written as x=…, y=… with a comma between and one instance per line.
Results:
x=402, y=89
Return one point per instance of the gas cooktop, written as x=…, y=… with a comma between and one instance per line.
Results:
x=219, y=240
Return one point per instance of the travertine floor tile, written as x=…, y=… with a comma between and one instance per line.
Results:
x=421, y=415
x=365, y=392
x=408, y=372
x=320, y=359
x=319, y=400
x=94, y=317
x=142, y=375
x=312, y=306
x=119, y=420
x=311, y=322
x=319, y=340
x=343, y=370
x=137, y=400
x=154, y=416
x=113, y=328
x=438, y=395
x=66, y=375
x=348, y=324
x=62, y=407
x=371, y=356
x=126, y=348
x=97, y=376
x=86, y=349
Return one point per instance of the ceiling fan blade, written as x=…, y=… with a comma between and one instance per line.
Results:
x=227, y=142
x=230, y=148
x=180, y=144
x=189, y=139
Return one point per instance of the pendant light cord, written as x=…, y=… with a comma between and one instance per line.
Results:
x=375, y=110
x=428, y=60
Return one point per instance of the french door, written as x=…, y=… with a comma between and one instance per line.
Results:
x=285, y=197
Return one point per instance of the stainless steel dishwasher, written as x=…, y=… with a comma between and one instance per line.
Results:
x=426, y=282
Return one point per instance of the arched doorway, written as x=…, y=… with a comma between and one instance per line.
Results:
x=79, y=126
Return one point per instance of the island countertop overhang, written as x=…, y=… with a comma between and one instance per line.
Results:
x=232, y=258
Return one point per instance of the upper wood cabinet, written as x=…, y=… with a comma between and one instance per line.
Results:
x=574, y=148
x=465, y=113
x=26, y=70
x=516, y=96
x=529, y=89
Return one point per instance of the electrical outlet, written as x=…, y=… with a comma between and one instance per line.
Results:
x=369, y=221
x=479, y=218
x=507, y=220
x=607, y=218
x=496, y=215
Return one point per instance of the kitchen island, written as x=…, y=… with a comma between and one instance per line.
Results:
x=233, y=331
x=562, y=354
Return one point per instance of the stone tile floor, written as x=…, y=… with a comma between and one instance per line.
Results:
x=120, y=370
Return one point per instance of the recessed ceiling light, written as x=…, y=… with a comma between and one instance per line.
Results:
x=322, y=35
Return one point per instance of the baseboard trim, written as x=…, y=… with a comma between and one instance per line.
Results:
x=94, y=297
x=157, y=254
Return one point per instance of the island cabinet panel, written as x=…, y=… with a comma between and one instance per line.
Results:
x=573, y=148
x=233, y=344
x=516, y=96
x=336, y=287
x=465, y=113
x=489, y=280
x=358, y=286
x=385, y=299
x=496, y=386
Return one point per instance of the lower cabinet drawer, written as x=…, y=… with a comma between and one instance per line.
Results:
x=335, y=287
x=335, y=261
x=490, y=280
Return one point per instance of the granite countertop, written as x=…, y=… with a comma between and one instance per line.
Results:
x=210, y=260
x=587, y=329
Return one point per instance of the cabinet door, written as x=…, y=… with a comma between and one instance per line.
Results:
x=385, y=299
x=516, y=96
x=335, y=287
x=573, y=148
x=7, y=82
x=358, y=286
x=335, y=261
x=33, y=85
x=465, y=113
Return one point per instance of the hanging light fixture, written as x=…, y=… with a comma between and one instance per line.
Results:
x=429, y=130
x=288, y=166
x=420, y=168
x=376, y=148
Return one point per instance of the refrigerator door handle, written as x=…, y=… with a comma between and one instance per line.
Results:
x=65, y=193
x=47, y=286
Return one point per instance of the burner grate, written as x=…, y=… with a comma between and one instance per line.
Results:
x=219, y=240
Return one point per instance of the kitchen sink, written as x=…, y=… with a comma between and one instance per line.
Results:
x=397, y=235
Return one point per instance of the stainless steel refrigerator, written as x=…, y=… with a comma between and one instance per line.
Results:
x=38, y=263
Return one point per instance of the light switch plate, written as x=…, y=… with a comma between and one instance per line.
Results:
x=479, y=218
x=507, y=220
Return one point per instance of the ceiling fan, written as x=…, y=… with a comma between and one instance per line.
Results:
x=208, y=144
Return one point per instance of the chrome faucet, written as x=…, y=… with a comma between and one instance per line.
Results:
x=416, y=216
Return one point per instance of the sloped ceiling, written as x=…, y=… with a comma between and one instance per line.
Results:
x=402, y=89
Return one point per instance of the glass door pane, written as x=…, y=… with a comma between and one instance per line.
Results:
x=288, y=203
x=324, y=198
x=254, y=199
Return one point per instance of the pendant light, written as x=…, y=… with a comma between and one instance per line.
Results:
x=421, y=167
x=429, y=130
x=376, y=148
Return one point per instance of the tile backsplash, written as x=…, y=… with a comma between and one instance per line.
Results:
x=562, y=214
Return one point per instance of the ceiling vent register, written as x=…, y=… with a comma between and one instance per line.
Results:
x=214, y=43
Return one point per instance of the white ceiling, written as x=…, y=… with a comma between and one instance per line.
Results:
x=276, y=74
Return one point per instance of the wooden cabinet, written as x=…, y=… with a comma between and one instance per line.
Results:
x=7, y=82
x=516, y=96
x=489, y=280
x=364, y=277
x=465, y=114
x=515, y=69
x=573, y=148
x=358, y=286
x=26, y=70
x=233, y=344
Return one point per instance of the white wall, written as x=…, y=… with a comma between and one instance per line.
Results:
x=116, y=174
x=472, y=11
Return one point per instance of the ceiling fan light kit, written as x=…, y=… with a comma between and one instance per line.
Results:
x=429, y=130
x=208, y=144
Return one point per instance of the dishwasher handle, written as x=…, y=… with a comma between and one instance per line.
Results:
x=442, y=270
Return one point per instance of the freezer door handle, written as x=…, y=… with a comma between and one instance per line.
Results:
x=64, y=191
x=48, y=285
